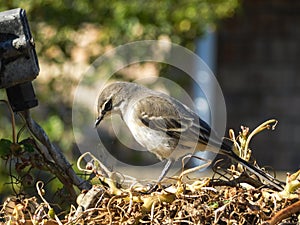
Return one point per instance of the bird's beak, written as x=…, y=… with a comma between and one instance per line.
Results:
x=98, y=120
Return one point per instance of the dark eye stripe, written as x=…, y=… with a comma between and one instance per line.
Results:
x=108, y=105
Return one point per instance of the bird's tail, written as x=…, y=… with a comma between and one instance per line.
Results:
x=227, y=149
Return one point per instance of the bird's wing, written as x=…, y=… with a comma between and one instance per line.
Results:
x=172, y=118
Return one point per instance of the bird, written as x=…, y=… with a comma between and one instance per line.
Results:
x=165, y=126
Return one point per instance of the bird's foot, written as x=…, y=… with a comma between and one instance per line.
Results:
x=151, y=188
x=154, y=187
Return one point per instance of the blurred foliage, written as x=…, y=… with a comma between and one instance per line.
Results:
x=120, y=22
x=70, y=34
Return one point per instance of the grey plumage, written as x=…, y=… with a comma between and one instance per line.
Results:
x=165, y=126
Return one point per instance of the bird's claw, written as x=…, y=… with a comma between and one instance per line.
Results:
x=151, y=188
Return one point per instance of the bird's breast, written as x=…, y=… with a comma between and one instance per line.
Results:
x=157, y=142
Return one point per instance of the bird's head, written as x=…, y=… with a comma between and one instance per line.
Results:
x=110, y=101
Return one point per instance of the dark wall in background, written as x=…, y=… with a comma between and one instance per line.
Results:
x=258, y=70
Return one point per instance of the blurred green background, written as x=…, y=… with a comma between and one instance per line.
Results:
x=71, y=34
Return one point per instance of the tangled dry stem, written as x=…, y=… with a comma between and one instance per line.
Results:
x=231, y=196
x=195, y=202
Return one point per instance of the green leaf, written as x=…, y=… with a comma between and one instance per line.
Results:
x=28, y=147
x=5, y=147
x=51, y=213
x=213, y=205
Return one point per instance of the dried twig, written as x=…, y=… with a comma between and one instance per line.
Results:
x=63, y=169
x=51, y=213
x=284, y=213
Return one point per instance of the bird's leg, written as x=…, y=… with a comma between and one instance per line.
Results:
x=165, y=170
x=161, y=176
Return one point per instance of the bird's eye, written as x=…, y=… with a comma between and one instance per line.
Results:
x=108, y=105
